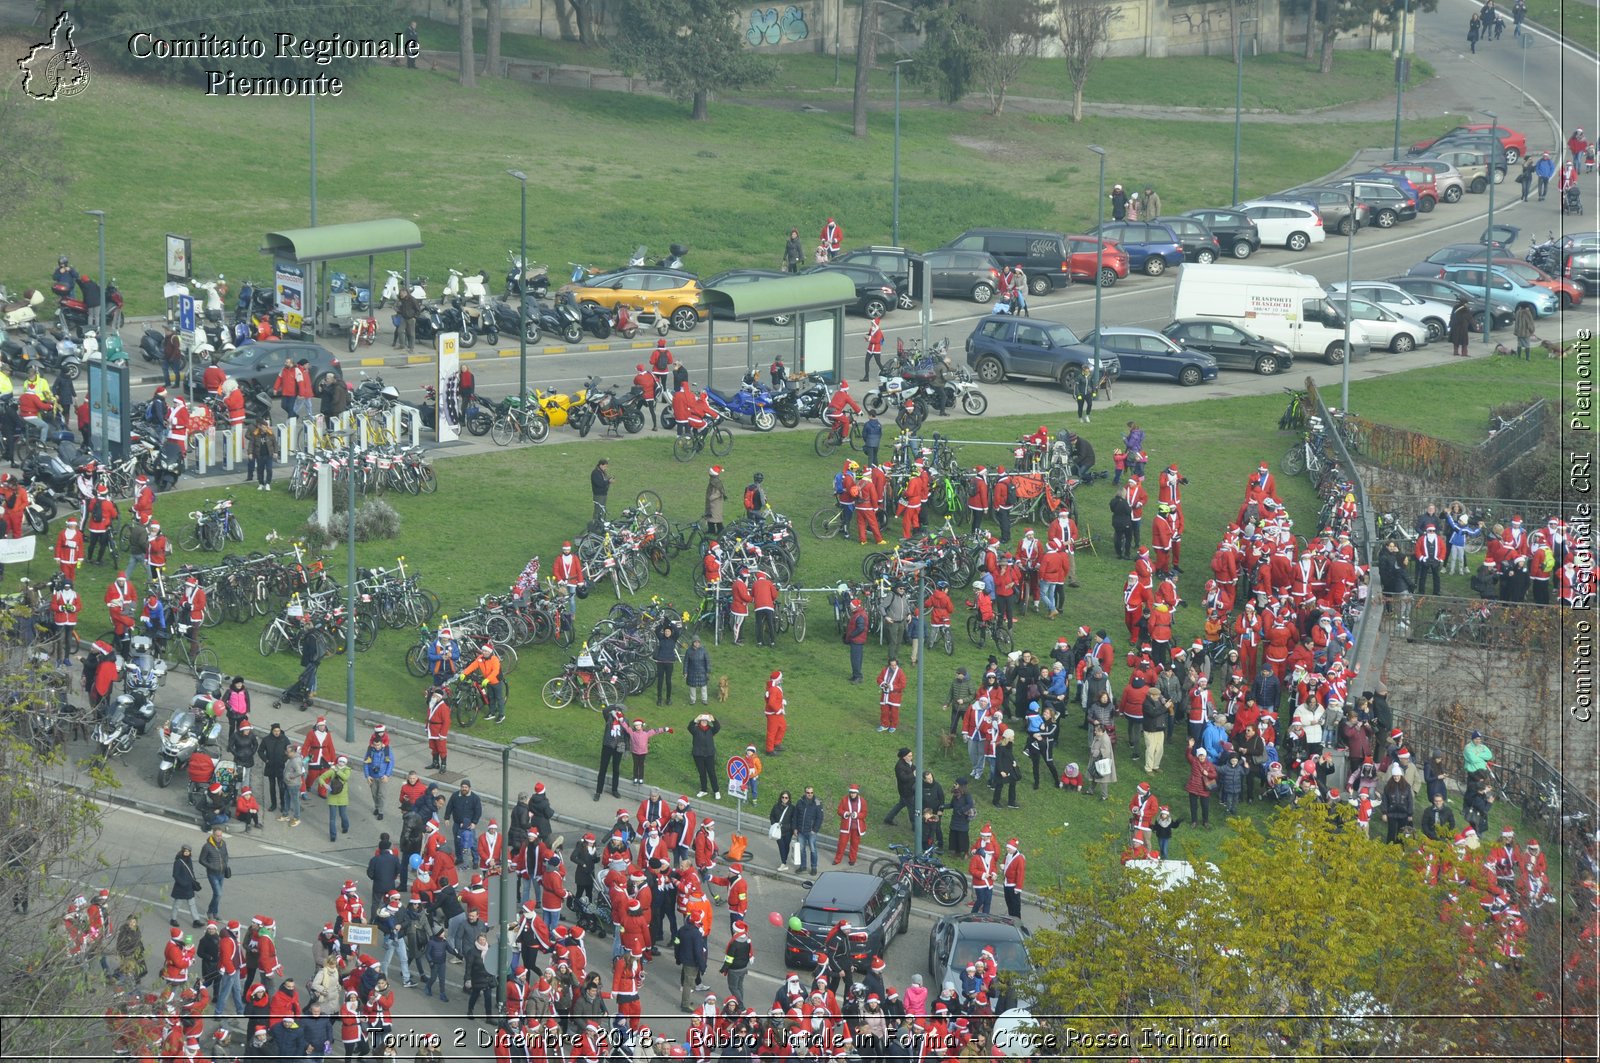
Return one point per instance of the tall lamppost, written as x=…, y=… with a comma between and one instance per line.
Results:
x=894, y=232
x=99, y=217
x=1099, y=253
x=1349, y=266
x=920, y=618
x=501, y=914
x=1488, y=242
x=1401, y=69
x=1238, y=107
x=350, y=587
x=522, y=293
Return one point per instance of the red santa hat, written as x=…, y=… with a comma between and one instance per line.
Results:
x=538, y=787
x=1012, y=843
x=776, y=676
x=986, y=832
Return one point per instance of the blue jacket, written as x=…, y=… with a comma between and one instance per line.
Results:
x=872, y=432
x=1212, y=738
x=1058, y=683
x=1545, y=168
x=379, y=763
x=808, y=819
x=464, y=808
x=437, y=653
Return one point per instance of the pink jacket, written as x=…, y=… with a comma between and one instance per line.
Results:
x=639, y=741
x=916, y=998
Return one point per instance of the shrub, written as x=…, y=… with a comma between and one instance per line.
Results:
x=377, y=520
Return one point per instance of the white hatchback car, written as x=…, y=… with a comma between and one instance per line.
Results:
x=1432, y=313
x=1384, y=327
x=1292, y=225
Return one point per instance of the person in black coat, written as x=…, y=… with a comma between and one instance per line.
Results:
x=690, y=953
x=383, y=871
x=273, y=752
x=1006, y=772
x=185, y=885
x=786, y=817
x=1397, y=807
x=480, y=983
x=703, y=747
x=1122, y=526
x=905, y=784
x=540, y=811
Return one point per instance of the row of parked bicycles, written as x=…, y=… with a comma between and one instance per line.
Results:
x=375, y=469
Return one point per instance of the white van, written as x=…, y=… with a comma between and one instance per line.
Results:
x=1274, y=303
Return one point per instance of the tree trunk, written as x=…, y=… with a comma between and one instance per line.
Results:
x=1077, y=103
x=469, y=77
x=1311, y=29
x=866, y=51
x=585, y=21
x=1327, y=49
x=699, y=114
x=564, y=20
x=491, y=48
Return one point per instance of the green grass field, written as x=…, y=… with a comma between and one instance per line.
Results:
x=609, y=171
x=492, y=513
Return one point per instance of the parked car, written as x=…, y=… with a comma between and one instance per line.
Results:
x=1144, y=352
x=1041, y=253
x=1449, y=253
x=963, y=274
x=1332, y=203
x=1471, y=163
x=1422, y=191
x=1505, y=289
x=733, y=277
x=876, y=909
x=1448, y=292
x=1444, y=184
x=1433, y=313
x=1290, y=225
x=676, y=290
x=1151, y=246
x=1580, y=260
x=1569, y=292
x=876, y=294
x=901, y=266
x=1509, y=155
x=1235, y=230
x=1231, y=346
x=1199, y=244
x=1086, y=253
x=1002, y=346
x=1390, y=205
x=256, y=365
x=1384, y=328
x=1515, y=144
x=958, y=940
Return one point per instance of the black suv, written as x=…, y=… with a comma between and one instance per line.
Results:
x=1197, y=241
x=898, y=264
x=1043, y=255
x=1002, y=346
x=876, y=294
x=875, y=910
x=1235, y=230
x=256, y=365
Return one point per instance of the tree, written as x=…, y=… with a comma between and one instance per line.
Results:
x=949, y=54
x=583, y=14
x=1306, y=938
x=693, y=47
x=866, y=55
x=491, y=48
x=469, y=60
x=1007, y=36
x=1084, y=27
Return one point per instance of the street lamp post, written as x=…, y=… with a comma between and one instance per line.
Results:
x=1401, y=69
x=1099, y=253
x=350, y=589
x=1238, y=107
x=522, y=294
x=503, y=916
x=1349, y=265
x=921, y=620
x=894, y=236
x=1488, y=248
x=99, y=217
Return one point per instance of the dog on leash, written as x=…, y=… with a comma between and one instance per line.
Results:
x=722, y=688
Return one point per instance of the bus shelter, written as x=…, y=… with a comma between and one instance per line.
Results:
x=810, y=306
x=297, y=252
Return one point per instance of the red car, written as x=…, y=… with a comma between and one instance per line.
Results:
x=1514, y=143
x=1569, y=293
x=1422, y=180
x=1082, y=252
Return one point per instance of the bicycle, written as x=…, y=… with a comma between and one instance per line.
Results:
x=791, y=615
x=924, y=873
x=1294, y=415
x=581, y=680
x=831, y=438
x=711, y=436
x=515, y=422
x=469, y=700
x=204, y=659
x=978, y=629
x=830, y=522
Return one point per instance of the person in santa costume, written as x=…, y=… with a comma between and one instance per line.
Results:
x=775, y=707
x=852, y=825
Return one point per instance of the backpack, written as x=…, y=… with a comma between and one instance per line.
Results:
x=838, y=483
x=750, y=497
x=335, y=784
x=1548, y=564
x=411, y=832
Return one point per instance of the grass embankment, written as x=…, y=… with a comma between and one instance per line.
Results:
x=608, y=171
x=492, y=513
x=1577, y=22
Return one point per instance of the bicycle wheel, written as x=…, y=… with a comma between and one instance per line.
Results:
x=1002, y=638
x=426, y=480
x=648, y=501
x=558, y=692
x=826, y=443
x=975, y=630
x=465, y=702
x=235, y=529
x=721, y=442
x=827, y=523
x=502, y=431
x=885, y=867
x=948, y=640
x=205, y=661
x=508, y=658
x=1294, y=461
x=601, y=694
x=211, y=536
x=949, y=887
x=683, y=448
x=366, y=632
x=797, y=626
x=659, y=559
x=417, y=661
x=191, y=538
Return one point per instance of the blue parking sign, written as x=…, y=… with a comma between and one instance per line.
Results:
x=186, y=313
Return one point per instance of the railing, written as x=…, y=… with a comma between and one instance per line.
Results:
x=1505, y=446
x=1491, y=624
x=1441, y=461
x=1489, y=511
x=1522, y=777
x=1364, y=533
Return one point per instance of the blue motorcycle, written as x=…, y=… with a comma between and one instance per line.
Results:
x=360, y=295
x=750, y=406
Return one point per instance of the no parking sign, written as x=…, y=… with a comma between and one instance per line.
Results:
x=738, y=776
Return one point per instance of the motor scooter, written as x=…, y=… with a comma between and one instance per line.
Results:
x=212, y=292
x=254, y=301
x=360, y=294
x=391, y=288
x=129, y=713
x=467, y=285
x=507, y=320
x=591, y=317
x=15, y=313
x=193, y=726
x=532, y=278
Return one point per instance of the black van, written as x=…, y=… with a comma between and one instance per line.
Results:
x=1044, y=256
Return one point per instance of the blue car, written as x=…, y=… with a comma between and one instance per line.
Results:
x=1144, y=352
x=1151, y=246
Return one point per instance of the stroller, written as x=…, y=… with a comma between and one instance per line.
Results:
x=1572, y=200
x=593, y=915
x=226, y=776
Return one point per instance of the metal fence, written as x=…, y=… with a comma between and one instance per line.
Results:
x=1416, y=453
x=1407, y=507
x=1513, y=441
x=1522, y=777
x=1364, y=533
x=1452, y=621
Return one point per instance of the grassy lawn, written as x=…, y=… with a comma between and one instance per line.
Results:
x=729, y=188
x=1578, y=23
x=1456, y=409
x=492, y=513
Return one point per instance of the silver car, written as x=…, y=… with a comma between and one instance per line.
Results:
x=1433, y=313
x=1384, y=328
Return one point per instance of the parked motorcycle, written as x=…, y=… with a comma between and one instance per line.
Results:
x=392, y=286
x=557, y=406
x=532, y=278
x=446, y=316
x=34, y=346
x=130, y=712
x=479, y=318
x=211, y=292
x=476, y=418
x=750, y=406
x=674, y=259
x=607, y=409
x=467, y=285
x=1546, y=254
x=592, y=317
x=191, y=727
x=507, y=320
x=254, y=300
x=15, y=313
x=360, y=295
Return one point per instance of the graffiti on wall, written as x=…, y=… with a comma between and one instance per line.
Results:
x=1207, y=18
x=769, y=27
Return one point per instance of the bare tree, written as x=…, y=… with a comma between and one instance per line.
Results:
x=1008, y=35
x=491, y=48
x=1084, y=27
x=469, y=61
x=583, y=13
x=866, y=54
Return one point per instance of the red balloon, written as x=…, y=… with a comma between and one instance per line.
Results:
x=775, y=919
